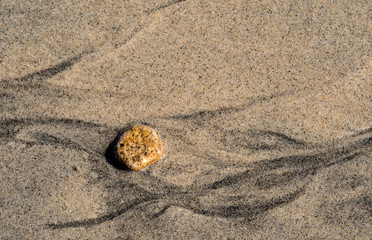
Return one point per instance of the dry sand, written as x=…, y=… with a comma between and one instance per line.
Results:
x=264, y=108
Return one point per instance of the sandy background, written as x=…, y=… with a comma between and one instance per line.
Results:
x=264, y=108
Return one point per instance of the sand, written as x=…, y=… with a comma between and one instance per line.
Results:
x=264, y=109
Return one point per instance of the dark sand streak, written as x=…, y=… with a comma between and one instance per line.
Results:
x=297, y=170
x=165, y=6
x=46, y=73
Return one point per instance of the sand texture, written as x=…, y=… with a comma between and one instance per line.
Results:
x=264, y=109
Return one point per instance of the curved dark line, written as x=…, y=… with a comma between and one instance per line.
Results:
x=243, y=210
x=49, y=72
x=99, y=220
x=362, y=132
x=62, y=143
x=27, y=121
x=7, y=124
x=297, y=165
x=162, y=211
x=165, y=5
x=207, y=114
x=285, y=137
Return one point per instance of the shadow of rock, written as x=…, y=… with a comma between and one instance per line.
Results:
x=111, y=157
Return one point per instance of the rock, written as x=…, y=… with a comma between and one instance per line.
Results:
x=139, y=147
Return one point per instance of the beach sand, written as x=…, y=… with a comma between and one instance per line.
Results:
x=263, y=107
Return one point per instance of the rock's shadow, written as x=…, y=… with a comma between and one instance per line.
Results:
x=111, y=157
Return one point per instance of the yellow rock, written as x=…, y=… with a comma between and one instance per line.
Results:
x=139, y=147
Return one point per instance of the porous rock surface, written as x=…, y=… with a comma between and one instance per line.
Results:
x=139, y=147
